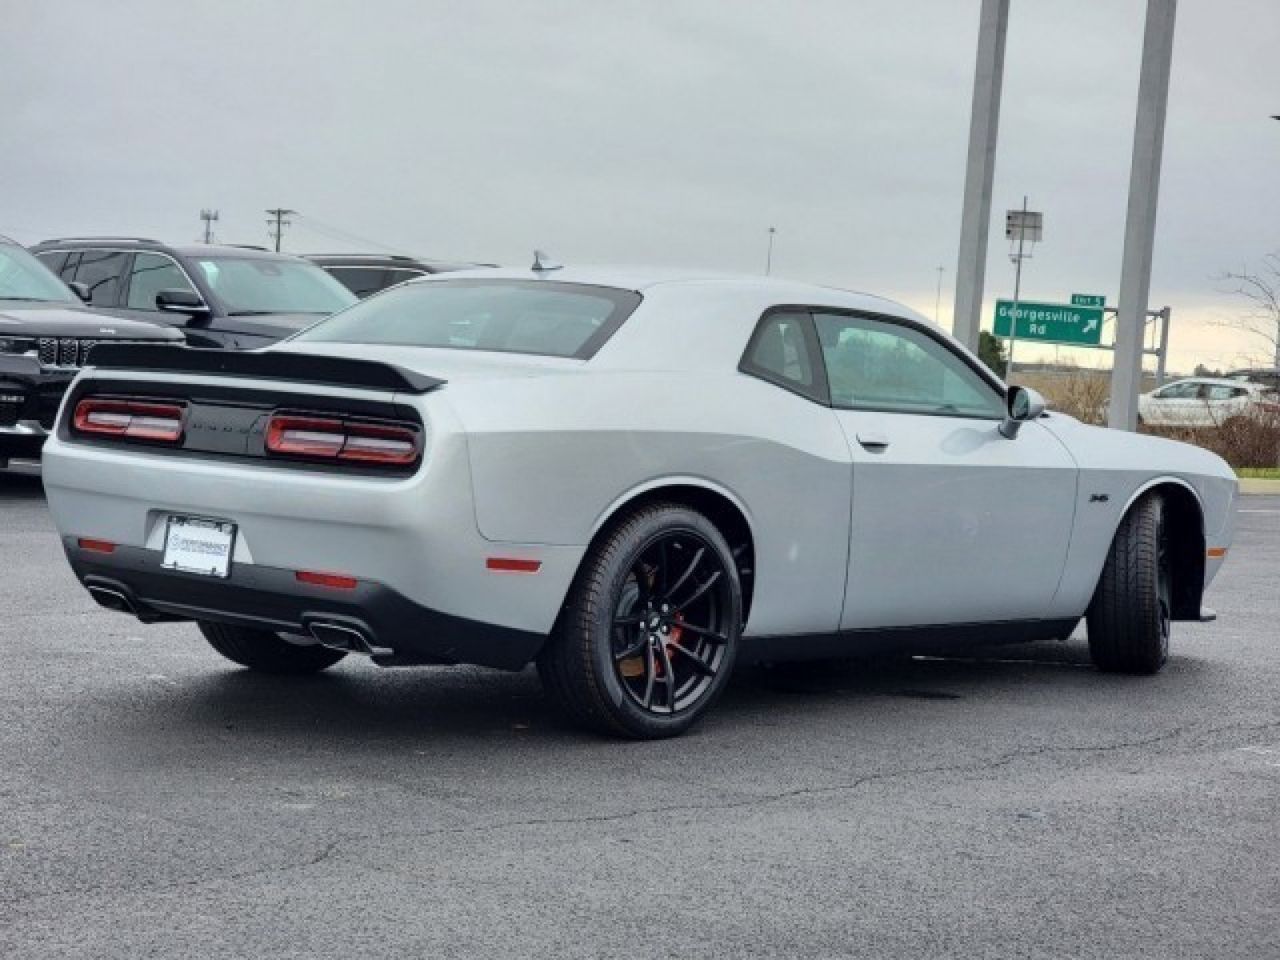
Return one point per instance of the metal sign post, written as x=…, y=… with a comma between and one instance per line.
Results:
x=1021, y=226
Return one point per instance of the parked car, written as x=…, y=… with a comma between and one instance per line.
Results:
x=633, y=479
x=366, y=274
x=1267, y=376
x=217, y=295
x=45, y=334
x=1206, y=402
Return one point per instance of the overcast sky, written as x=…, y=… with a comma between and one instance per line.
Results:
x=650, y=132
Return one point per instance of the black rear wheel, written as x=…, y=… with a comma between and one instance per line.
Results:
x=268, y=652
x=649, y=635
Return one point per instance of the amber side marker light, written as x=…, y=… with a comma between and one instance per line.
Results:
x=336, y=581
x=1216, y=553
x=97, y=546
x=512, y=565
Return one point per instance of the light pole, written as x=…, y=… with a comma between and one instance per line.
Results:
x=768, y=257
x=1022, y=225
x=937, y=300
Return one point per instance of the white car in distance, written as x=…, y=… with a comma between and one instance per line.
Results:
x=1206, y=402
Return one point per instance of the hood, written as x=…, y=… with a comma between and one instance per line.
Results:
x=272, y=325
x=445, y=364
x=58, y=320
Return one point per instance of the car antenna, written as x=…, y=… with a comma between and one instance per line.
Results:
x=542, y=262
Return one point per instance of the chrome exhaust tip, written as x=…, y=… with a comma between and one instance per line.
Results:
x=112, y=599
x=344, y=637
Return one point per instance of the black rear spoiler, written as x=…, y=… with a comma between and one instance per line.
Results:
x=261, y=365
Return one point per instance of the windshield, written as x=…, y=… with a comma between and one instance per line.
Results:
x=23, y=277
x=249, y=285
x=508, y=316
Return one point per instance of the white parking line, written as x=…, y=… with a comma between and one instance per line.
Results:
x=1258, y=511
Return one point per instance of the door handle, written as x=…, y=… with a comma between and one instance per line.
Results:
x=873, y=440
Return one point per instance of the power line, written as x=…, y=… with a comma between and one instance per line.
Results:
x=338, y=233
x=277, y=232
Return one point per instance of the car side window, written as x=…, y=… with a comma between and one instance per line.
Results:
x=53, y=259
x=779, y=351
x=362, y=281
x=100, y=271
x=879, y=365
x=1178, y=391
x=152, y=273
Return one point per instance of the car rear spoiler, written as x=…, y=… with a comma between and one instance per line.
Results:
x=261, y=365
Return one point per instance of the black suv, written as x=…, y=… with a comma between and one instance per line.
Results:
x=217, y=295
x=45, y=334
x=366, y=274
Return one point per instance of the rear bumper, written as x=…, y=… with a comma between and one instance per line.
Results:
x=394, y=628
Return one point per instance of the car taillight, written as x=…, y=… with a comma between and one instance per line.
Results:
x=157, y=421
x=329, y=438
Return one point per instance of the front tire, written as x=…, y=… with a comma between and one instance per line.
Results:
x=1130, y=616
x=648, y=637
x=268, y=652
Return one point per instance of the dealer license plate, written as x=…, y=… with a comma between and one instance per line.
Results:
x=197, y=545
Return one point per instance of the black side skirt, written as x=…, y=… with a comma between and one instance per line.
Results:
x=933, y=639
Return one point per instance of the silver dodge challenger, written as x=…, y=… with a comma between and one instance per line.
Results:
x=633, y=478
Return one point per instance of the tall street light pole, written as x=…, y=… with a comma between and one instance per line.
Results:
x=768, y=257
x=1140, y=223
x=975, y=219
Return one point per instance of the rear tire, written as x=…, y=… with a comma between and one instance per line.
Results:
x=268, y=652
x=648, y=637
x=1130, y=615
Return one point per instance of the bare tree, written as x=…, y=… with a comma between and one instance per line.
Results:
x=1261, y=287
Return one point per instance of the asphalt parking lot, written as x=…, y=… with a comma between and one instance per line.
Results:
x=155, y=801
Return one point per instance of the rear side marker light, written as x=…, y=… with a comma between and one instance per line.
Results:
x=1216, y=553
x=97, y=546
x=512, y=565
x=158, y=422
x=336, y=581
x=329, y=438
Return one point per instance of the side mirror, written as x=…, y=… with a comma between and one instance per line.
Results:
x=1021, y=404
x=81, y=290
x=181, y=301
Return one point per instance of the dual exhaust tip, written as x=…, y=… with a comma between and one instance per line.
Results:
x=346, y=637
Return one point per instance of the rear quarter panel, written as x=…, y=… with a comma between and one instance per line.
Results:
x=552, y=458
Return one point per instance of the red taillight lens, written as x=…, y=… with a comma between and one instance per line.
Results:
x=302, y=435
x=305, y=436
x=97, y=546
x=155, y=421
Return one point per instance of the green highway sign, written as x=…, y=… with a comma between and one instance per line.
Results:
x=1088, y=300
x=1051, y=322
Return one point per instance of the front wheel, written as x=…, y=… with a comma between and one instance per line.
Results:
x=648, y=637
x=268, y=652
x=1131, y=613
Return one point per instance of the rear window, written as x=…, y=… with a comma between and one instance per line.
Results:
x=506, y=316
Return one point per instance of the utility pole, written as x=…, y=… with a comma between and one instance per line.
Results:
x=1140, y=223
x=768, y=257
x=975, y=219
x=208, y=216
x=278, y=219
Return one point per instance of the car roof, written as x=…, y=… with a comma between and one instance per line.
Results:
x=194, y=250
x=640, y=279
x=1212, y=381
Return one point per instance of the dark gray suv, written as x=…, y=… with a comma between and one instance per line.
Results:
x=216, y=295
